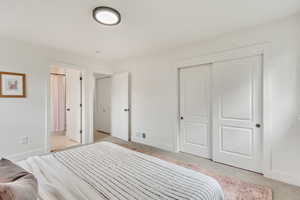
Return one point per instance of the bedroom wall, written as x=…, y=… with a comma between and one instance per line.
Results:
x=154, y=91
x=27, y=118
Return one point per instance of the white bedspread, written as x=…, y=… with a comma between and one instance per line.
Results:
x=108, y=171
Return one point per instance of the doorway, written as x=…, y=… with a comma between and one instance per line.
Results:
x=102, y=107
x=111, y=106
x=221, y=111
x=65, y=108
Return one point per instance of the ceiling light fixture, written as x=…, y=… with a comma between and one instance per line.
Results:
x=106, y=15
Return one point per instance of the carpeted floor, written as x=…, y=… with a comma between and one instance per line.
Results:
x=234, y=189
x=238, y=184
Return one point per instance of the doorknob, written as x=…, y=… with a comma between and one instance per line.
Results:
x=126, y=109
x=68, y=109
x=181, y=118
x=258, y=125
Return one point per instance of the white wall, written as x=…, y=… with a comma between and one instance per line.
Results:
x=28, y=117
x=103, y=105
x=154, y=91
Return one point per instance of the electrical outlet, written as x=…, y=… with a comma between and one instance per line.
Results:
x=24, y=140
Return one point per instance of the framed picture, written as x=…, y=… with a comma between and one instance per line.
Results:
x=12, y=85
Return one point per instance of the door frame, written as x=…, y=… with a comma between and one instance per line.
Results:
x=210, y=138
x=263, y=50
x=48, y=104
x=92, y=103
x=92, y=121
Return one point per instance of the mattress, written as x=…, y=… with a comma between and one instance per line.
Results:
x=108, y=171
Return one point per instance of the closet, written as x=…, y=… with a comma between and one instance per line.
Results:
x=221, y=111
x=195, y=103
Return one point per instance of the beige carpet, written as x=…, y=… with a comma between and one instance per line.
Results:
x=234, y=189
x=281, y=191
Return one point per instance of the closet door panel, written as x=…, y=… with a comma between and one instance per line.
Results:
x=195, y=110
x=237, y=115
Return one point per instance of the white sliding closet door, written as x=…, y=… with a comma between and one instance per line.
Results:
x=237, y=117
x=195, y=110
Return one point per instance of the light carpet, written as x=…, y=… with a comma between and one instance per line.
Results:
x=233, y=188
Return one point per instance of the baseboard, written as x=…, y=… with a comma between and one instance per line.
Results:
x=164, y=146
x=283, y=177
x=23, y=156
x=99, y=130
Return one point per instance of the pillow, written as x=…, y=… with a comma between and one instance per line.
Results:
x=16, y=183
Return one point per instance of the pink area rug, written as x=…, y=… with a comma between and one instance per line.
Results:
x=233, y=188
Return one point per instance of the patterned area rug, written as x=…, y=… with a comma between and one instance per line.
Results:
x=233, y=188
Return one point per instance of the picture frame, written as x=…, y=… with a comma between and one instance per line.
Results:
x=12, y=85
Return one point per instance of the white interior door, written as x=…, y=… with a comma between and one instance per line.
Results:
x=73, y=102
x=237, y=115
x=120, y=106
x=195, y=110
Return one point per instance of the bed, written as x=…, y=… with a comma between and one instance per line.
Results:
x=108, y=171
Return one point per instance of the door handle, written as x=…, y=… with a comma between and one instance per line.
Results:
x=181, y=118
x=126, y=109
x=68, y=109
x=258, y=125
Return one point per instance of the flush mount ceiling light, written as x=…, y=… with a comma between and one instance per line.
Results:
x=106, y=16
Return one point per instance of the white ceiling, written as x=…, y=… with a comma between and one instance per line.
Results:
x=147, y=25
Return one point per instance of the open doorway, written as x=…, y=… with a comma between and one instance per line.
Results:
x=111, y=106
x=66, y=108
x=102, y=106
